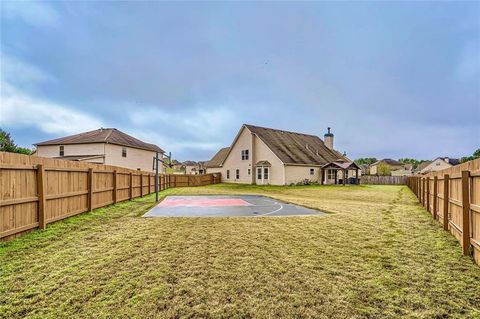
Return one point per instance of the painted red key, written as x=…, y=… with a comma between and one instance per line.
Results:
x=214, y=202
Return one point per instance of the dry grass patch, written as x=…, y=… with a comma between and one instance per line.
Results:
x=378, y=255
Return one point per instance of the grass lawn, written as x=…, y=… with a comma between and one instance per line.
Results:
x=378, y=254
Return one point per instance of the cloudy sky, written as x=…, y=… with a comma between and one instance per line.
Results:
x=391, y=79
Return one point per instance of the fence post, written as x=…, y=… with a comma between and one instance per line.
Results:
x=428, y=194
x=149, y=183
x=114, y=197
x=42, y=221
x=419, y=190
x=446, y=194
x=141, y=185
x=466, y=211
x=435, y=194
x=131, y=186
x=423, y=192
x=90, y=189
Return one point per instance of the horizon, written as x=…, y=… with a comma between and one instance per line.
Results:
x=186, y=76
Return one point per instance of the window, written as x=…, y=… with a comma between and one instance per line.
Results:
x=437, y=163
x=249, y=171
x=62, y=150
x=331, y=174
x=124, y=152
x=265, y=173
x=312, y=171
x=259, y=173
x=228, y=174
x=237, y=174
x=244, y=155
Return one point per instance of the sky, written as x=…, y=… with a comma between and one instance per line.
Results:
x=392, y=79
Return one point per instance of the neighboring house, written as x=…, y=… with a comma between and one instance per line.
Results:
x=194, y=168
x=439, y=164
x=421, y=166
x=260, y=155
x=365, y=168
x=103, y=146
x=391, y=163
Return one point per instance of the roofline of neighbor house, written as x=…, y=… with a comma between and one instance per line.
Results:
x=139, y=148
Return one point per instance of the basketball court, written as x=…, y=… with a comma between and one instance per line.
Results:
x=226, y=206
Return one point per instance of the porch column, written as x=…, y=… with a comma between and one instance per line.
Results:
x=356, y=177
x=344, y=177
x=336, y=171
x=321, y=176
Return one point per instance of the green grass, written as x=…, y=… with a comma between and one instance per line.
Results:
x=378, y=254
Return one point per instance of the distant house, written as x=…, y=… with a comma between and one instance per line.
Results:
x=401, y=168
x=438, y=164
x=421, y=166
x=260, y=155
x=365, y=168
x=194, y=168
x=103, y=146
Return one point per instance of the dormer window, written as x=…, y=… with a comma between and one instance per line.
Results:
x=61, y=150
x=124, y=151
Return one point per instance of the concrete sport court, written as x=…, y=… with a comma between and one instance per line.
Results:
x=226, y=206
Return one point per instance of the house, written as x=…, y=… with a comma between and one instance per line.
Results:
x=439, y=164
x=260, y=155
x=392, y=164
x=193, y=168
x=421, y=166
x=103, y=146
x=407, y=170
x=365, y=168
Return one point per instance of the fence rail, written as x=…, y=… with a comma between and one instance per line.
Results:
x=36, y=191
x=452, y=196
x=383, y=180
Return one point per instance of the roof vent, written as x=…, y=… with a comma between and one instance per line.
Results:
x=306, y=146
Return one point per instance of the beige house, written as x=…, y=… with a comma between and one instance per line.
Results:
x=438, y=164
x=103, y=146
x=261, y=156
x=391, y=163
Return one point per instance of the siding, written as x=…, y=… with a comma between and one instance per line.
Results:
x=234, y=160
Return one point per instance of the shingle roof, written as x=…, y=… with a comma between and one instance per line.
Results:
x=104, y=135
x=296, y=148
x=451, y=161
x=422, y=165
x=218, y=158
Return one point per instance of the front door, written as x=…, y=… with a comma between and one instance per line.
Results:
x=263, y=175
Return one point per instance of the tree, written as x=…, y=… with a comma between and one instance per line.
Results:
x=365, y=160
x=383, y=170
x=412, y=161
x=8, y=145
x=475, y=155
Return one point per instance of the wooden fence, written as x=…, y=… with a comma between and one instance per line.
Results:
x=35, y=191
x=452, y=196
x=383, y=180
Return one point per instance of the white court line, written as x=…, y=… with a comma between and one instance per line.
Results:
x=281, y=207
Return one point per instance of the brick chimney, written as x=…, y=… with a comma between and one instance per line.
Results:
x=328, y=139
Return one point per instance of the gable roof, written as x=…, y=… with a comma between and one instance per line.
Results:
x=104, y=135
x=451, y=161
x=218, y=158
x=296, y=148
x=422, y=165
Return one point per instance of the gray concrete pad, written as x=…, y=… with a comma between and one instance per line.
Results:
x=253, y=206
